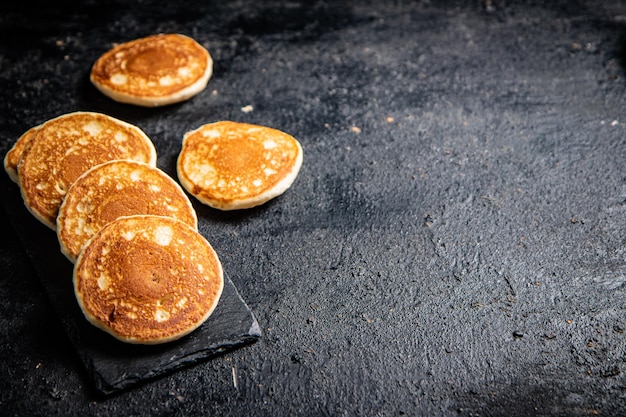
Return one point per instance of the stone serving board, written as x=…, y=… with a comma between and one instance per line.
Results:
x=112, y=365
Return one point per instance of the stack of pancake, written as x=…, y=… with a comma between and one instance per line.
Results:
x=142, y=271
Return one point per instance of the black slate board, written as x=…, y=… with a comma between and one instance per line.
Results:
x=113, y=365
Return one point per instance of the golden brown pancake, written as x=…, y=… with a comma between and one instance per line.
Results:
x=65, y=147
x=229, y=165
x=115, y=189
x=153, y=71
x=148, y=279
x=12, y=158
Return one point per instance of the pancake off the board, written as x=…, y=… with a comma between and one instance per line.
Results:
x=115, y=189
x=65, y=147
x=229, y=165
x=148, y=279
x=153, y=71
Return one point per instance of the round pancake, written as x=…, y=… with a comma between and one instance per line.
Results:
x=153, y=71
x=148, y=279
x=12, y=158
x=115, y=189
x=65, y=147
x=229, y=165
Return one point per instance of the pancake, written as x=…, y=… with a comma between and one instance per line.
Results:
x=148, y=279
x=153, y=71
x=115, y=189
x=229, y=165
x=65, y=147
x=12, y=158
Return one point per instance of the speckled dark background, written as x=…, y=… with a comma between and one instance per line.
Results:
x=454, y=245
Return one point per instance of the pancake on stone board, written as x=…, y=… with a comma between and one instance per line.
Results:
x=65, y=147
x=153, y=71
x=229, y=165
x=12, y=158
x=148, y=279
x=115, y=189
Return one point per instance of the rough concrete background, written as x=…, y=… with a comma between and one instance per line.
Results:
x=454, y=245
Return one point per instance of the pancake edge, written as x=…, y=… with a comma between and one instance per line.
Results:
x=12, y=172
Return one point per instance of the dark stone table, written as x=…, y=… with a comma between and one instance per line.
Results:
x=454, y=245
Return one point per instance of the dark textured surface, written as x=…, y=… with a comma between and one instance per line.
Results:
x=455, y=242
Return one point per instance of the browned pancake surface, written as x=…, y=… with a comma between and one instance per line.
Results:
x=115, y=189
x=230, y=165
x=148, y=279
x=152, y=71
x=65, y=147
